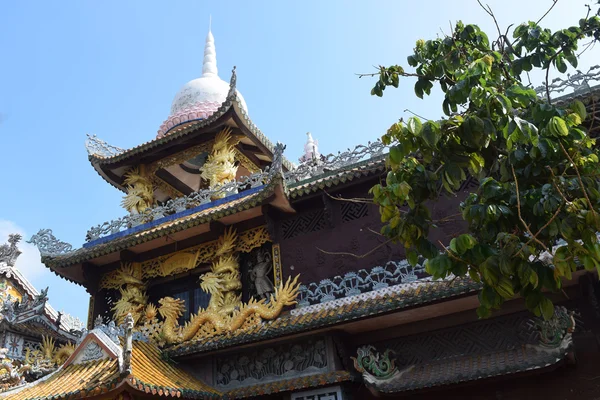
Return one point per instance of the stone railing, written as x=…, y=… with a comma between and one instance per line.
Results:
x=331, y=162
x=361, y=281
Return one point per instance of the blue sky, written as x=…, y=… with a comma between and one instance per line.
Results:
x=111, y=68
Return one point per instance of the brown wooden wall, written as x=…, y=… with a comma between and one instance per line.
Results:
x=323, y=226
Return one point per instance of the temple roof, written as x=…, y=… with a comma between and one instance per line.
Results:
x=68, y=264
x=112, y=162
x=378, y=302
x=308, y=178
x=484, y=349
x=23, y=308
x=150, y=373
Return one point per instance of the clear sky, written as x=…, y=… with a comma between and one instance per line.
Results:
x=112, y=68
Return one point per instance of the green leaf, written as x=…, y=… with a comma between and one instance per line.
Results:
x=558, y=127
x=560, y=64
x=414, y=126
x=396, y=155
x=412, y=257
x=430, y=133
x=465, y=242
x=504, y=288
x=547, y=308
x=579, y=108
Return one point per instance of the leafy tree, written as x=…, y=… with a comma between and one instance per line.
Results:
x=536, y=165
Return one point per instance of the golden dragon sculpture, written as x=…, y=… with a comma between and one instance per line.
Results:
x=224, y=314
x=209, y=323
x=220, y=167
x=140, y=193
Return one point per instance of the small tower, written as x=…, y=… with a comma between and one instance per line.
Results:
x=311, y=149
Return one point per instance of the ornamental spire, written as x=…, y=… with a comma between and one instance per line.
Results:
x=209, y=65
x=311, y=149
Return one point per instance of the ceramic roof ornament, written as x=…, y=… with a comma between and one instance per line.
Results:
x=311, y=149
x=200, y=97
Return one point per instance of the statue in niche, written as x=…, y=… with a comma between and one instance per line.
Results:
x=260, y=274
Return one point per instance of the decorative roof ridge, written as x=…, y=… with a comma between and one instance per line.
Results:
x=314, y=169
x=184, y=128
x=395, y=300
x=17, y=389
x=57, y=254
x=361, y=285
x=380, y=373
x=67, y=321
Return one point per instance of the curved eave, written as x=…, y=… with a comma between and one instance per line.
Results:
x=69, y=266
x=231, y=107
x=330, y=179
x=500, y=365
x=103, y=165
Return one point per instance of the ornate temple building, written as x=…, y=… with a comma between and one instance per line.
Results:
x=235, y=274
x=34, y=338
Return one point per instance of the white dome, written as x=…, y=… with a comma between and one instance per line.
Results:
x=201, y=97
x=207, y=90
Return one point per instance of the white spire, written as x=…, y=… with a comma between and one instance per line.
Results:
x=209, y=66
x=311, y=149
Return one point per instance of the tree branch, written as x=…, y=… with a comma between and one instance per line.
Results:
x=547, y=12
x=343, y=253
x=519, y=211
x=585, y=193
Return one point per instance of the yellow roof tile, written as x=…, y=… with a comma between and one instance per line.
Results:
x=150, y=373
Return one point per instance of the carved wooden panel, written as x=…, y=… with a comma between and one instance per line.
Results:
x=352, y=211
x=307, y=222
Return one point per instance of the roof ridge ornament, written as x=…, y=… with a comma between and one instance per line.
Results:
x=209, y=63
x=98, y=147
x=9, y=252
x=48, y=244
x=232, y=83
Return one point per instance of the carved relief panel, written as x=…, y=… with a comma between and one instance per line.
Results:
x=272, y=363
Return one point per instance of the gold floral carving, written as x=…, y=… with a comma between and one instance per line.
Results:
x=251, y=239
x=246, y=162
x=202, y=254
x=178, y=262
x=225, y=313
x=180, y=157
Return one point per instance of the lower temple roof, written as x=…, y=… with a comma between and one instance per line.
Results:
x=481, y=350
x=328, y=314
x=150, y=373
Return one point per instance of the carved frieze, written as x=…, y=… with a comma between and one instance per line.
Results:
x=92, y=352
x=190, y=258
x=270, y=364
